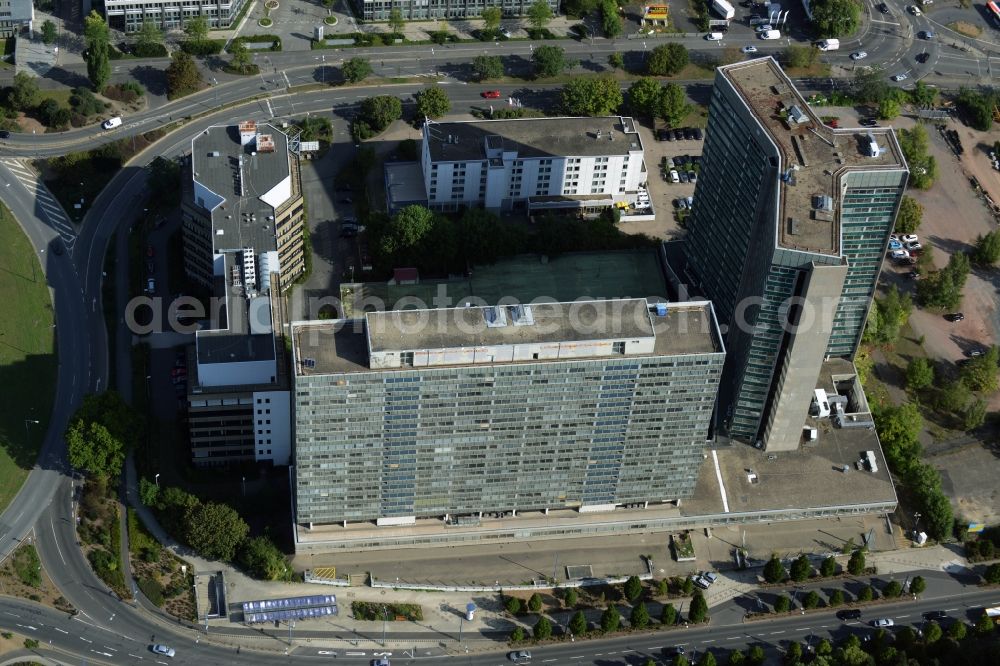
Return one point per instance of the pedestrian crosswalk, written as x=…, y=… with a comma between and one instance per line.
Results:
x=47, y=207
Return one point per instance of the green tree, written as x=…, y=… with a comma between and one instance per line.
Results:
x=673, y=106
x=591, y=96
x=633, y=588
x=356, y=70
x=980, y=373
x=835, y=18
x=698, y=611
x=535, y=602
x=91, y=447
x=794, y=653
x=856, y=565
x=542, y=629
x=974, y=414
x=919, y=374
x=756, y=655
x=570, y=597
x=824, y=648
x=910, y=215
x=539, y=14
x=893, y=589
x=782, y=604
x=578, y=624
x=801, y=568
x=736, y=657
x=644, y=96
x=380, y=111
x=149, y=492
x=616, y=60
x=49, y=32
x=706, y=659
x=898, y=427
x=937, y=514
x=923, y=166
x=987, y=250
x=679, y=660
x=215, y=530
x=978, y=107
x=176, y=506
x=932, y=632
x=491, y=18
x=432, y=102
x=801, y=56
x=774, y=570
x=610, y=619
x=923, y=95
x=183, y=76
x=517, y=635
x=24, y=93
x=943, y=288
x=487, y=67
x=196, y=28
x=811, y=600
x=889, y=314
x=992, y=574
x=985, y=625
x=668, y=615
x=611, y=21
x=240, y=61
x=870, y=85
x=396, y=22
x=149, y=34
x=918, y=585
x=548, y=60
x=406, y=229
x=662, y=587
x=513, y=605
x=837, y=597
x=687, y=587
x=262, y=559
x=667, y=59
x=866, y=593
x=98, y=54
x=957, y=631
x=828, y=567
x=888, y=109
x=640, y=616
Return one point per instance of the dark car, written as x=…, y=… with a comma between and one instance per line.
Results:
x=923, y=57
x=688, y=133
x=4, y=134
x=673, y=651
x=698, y=134
x=884, y=8
x=849, y=614
x=974, y=352
x=347, y=200
x=913, y=275
x=683, y=176
x=935, y=615
x=348, y=232
x=678, y=134
x=868, y=122
x=57, y=247
x=695, y=159
x=663, y=135
x=954, y=317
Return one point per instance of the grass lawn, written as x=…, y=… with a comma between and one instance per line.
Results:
x=27, y=357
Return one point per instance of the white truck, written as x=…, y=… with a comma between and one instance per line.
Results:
x=829, y=45
x=723, y=9
x=770, y=34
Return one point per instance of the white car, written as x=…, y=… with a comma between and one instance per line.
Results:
x=899, y=77
x=714, y=36
x=164, y=650
x=112, y=123
x=506, y=33
x=899, y=254
x=674, y=177
x=770, y=34
x=909, y=238
x=859, y=55
x=914, y=10
x=519, y=657
x=883, y=622
x=381, y=661
x=765, y=27
x=914, y=245
x=749, y=49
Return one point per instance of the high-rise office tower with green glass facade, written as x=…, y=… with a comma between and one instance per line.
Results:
x=787, y=235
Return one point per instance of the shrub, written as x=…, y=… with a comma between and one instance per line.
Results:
x=543, y=628
x=918, y=585
x=202, y=47
x=570, y=597
x=699, y=608
x=782, y=604
x=535, y=602
x=828, y=567
x=801, y=568
x=867, y=593
x=149, y=50
x=893, y=589
x=856, y=565
x=578, y=624
x=668, y=615
x=640, y=616
x=774, y=570
x=517, y=635
x=610, y=619
x=811, y=600
x=836, y=597
x=152, y=589
x=633, y=588
x=513, y=605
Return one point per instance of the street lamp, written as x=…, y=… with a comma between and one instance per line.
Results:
x=27, y=436
x=385, y=618
x=156, y=478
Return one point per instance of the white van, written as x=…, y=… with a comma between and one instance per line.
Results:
x=714, y=36
x=112, y=123
x=829, y=45
x=771, y=34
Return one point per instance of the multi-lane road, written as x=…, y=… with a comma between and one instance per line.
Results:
x=110, y=631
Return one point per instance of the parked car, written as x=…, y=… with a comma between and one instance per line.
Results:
x=693, y=176
x=690, y=201
x=913, y=246
x=688, y=133
x=899, y=254
x=849, y=614
x=913, y=9
x=909, y=238
x=895, y=244
x=698, y=134
x=882, y=622
x=868, y=122
x=749, y=49
x=764, y=28
x=164, y=650
x=955, y=317
x=913, y=275
x=684, y=176
x=884, y=8
x=506, y=33
x=678, y=135
x=663, y=135
x=899, y=77
x=681, y=203
x=4, y=134
x=150, y=285
x=674, y=176
x=491, y=94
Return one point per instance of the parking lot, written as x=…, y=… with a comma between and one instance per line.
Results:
x=662, y=191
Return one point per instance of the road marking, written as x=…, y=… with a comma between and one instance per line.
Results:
x=11, y=614
x=84, y=639
x=27, y=626
x=902, y=616
x=56, y=541
x=62, y=631
x=110, y=648
x=355, y=654
x=135, y=656
x=655, y=647
x=709, y=641
x=773, y=633
x=950, y=610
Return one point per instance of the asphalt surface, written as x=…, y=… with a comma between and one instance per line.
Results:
x=110, y=631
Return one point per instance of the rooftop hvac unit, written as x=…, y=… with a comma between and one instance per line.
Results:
x=523, y=315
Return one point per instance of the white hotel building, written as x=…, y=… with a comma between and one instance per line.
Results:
x=526, y=164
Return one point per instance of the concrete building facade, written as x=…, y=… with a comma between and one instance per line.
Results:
x=532, y=164
x=421, y=418
x=787, y=235
x=15, y=17
x=129, y=15
x=421, y=10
